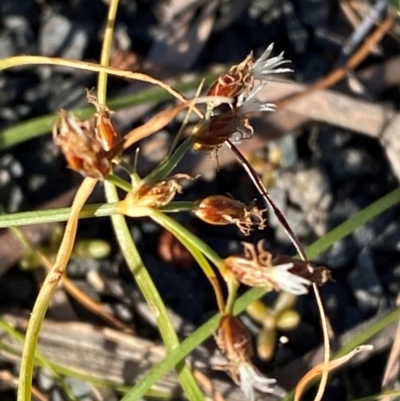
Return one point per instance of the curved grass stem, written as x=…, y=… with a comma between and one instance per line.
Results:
x=84, y=65
x=47, y=290
x=151, y=295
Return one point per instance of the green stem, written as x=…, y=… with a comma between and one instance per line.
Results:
x=106, y=51
x=191, y=239
x=127, y=167
x=233, y=286
x=151, y=295
x=128, y=247
x=46, y=293
x=39, y=357
x=87, y=212
x=119, y=182
x=190, y=242
x=56, y=215
x=168, y=164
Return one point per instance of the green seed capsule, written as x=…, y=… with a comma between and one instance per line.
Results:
x=91, y=248
x=266, y=343
x=257, y=310
x=288, y=320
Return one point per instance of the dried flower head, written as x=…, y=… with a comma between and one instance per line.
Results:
x=240, y=78
x=89, y=146
x=257, y=269
x=223, y=210
x=239, y=84
x=211, y=133
x=152, y=195
x=234, y=341
x=82, y=149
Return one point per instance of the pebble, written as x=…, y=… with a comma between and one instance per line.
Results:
x=352, y=162
x=389, y=237
x=314, y=12
x=29, y=9
x=308, y=188
x=45, y=379
x=287, y=146
x=297, y=32
x=339, y=254
x=11, y=195
x=63, y=37
x=123, y=312
x=68, y=93
x=7, y=46
x=298, y=224
x=391, y=279
x=21, y=33
x=78, y=268
x=365, y=282
x=80, y=389
x=15, y=113
x=365, y=235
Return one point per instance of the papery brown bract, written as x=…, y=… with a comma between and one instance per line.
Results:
x=210, y=134
x=235, y=81
x=224, y=210
x=234, y=341
x=105, y=130
x=318, y=275
x=89, y=146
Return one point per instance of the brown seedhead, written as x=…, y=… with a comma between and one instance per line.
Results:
x=224, y=210
x=234, y=341
x=258, y=268
x=79, y=143
x=210, y=134
x=241, y=83
x=89, y=146
x=152, y=195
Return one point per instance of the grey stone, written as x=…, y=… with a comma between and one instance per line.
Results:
x=365, y=282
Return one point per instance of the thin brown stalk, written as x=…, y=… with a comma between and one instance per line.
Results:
x=268, y=200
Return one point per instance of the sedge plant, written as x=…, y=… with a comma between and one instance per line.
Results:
x=92, y=147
